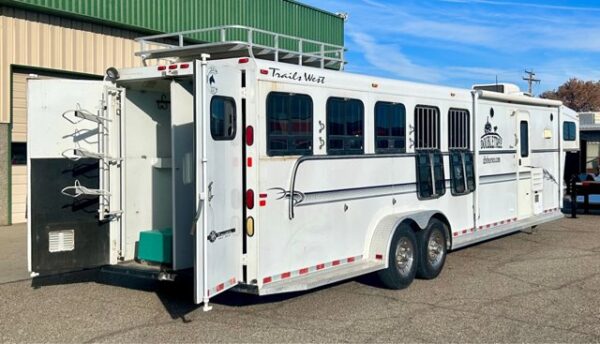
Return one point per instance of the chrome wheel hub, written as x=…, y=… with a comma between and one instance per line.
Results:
x=404, y=256
x=435, y=248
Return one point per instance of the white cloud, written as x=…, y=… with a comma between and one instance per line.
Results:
x=389, y=58
x=397, y=37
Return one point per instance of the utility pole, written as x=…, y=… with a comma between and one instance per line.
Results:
x=530, y=78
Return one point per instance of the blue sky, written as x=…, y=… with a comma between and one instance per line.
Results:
x=464, y=42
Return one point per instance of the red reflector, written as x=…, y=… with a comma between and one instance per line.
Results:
x=184, y=65
x=262, y=203
x=249, y=135
x=249, y=162
x=173, y=67
x=320, y=266
x=379, y=256
x=303, y=271
x=286, y=275
x=250, y=199
x=262, y=195
x=220, y=287
x=244, y=60
x=267, y=280
x=335, y=262
x=264, y=71
x=350, y=260
x=161, y=67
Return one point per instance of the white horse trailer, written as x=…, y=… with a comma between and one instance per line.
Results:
x=275, y=177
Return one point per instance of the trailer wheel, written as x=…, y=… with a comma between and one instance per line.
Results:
x=432, y=249
x=402, y=259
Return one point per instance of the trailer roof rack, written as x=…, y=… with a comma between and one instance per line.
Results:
x=231, y=41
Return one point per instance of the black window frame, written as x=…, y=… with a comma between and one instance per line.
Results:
x=569, y=131
x=218, y=136
x=421, y=110
x=455, y=141
x=430, y=174
x=467, y=169
x=290, y=137
x=344, y=137
x=390, y=138
x=524, y=142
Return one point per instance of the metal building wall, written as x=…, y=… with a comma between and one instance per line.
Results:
x=45, y=41
x=281, y=16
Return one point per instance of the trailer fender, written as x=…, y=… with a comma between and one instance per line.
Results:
x=379, y=245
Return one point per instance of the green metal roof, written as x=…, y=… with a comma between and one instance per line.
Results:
x=164, y=16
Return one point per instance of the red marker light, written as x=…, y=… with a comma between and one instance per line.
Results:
x=264, y=71
x=184, y=66
x=161, y=68
x=249, y=135
x=243, y=60
x=171, y=67
x=250, y=199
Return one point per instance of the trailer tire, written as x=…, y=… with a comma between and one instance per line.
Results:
x=402, y=259
x=432, y=249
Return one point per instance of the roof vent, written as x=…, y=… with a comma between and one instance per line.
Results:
x=500, y=88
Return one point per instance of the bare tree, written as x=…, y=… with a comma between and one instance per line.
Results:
x=577, y=94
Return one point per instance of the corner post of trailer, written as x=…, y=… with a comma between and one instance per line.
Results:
x=476, y=94
x=204, y=195
x=560, y=170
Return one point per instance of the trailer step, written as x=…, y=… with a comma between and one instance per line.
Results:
x=320, y=278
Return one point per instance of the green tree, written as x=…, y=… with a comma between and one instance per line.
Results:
x=577, y=94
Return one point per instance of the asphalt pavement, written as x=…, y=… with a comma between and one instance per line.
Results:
x=538, y=287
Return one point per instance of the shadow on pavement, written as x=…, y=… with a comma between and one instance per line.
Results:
x=176, y=296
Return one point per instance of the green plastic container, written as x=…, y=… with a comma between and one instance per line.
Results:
x=156, y=246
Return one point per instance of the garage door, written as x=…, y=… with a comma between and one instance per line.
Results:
x=19, y=147
x=19, y=137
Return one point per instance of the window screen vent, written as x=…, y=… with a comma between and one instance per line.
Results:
x=61, y=241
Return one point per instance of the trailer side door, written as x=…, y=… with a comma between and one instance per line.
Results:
x=65, y=231
x=219, y=180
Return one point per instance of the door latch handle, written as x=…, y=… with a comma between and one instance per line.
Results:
x=210, y=194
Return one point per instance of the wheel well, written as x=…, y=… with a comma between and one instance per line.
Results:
x=410, y=223
x=444, y=219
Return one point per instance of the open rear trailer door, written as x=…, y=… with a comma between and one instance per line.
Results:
x=218, y=264
x=68, y=203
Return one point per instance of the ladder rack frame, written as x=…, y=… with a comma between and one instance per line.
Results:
x=326, y=55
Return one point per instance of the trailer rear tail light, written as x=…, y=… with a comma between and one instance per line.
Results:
x=264, y=71
x=250, y=199
x=171, y=67
x=243, y=60
x=250, y=226
x=161, y=68
x=184, y=66
x=249, y=135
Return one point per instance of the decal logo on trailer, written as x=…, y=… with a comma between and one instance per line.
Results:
x=212, y=81
x=296, y=76
x=490, y=139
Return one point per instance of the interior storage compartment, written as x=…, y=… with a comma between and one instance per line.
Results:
x=157, y=175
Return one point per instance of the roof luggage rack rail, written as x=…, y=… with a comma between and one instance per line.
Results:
x=231, y=41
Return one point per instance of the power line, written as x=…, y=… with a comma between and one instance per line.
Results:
x=530, y=78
